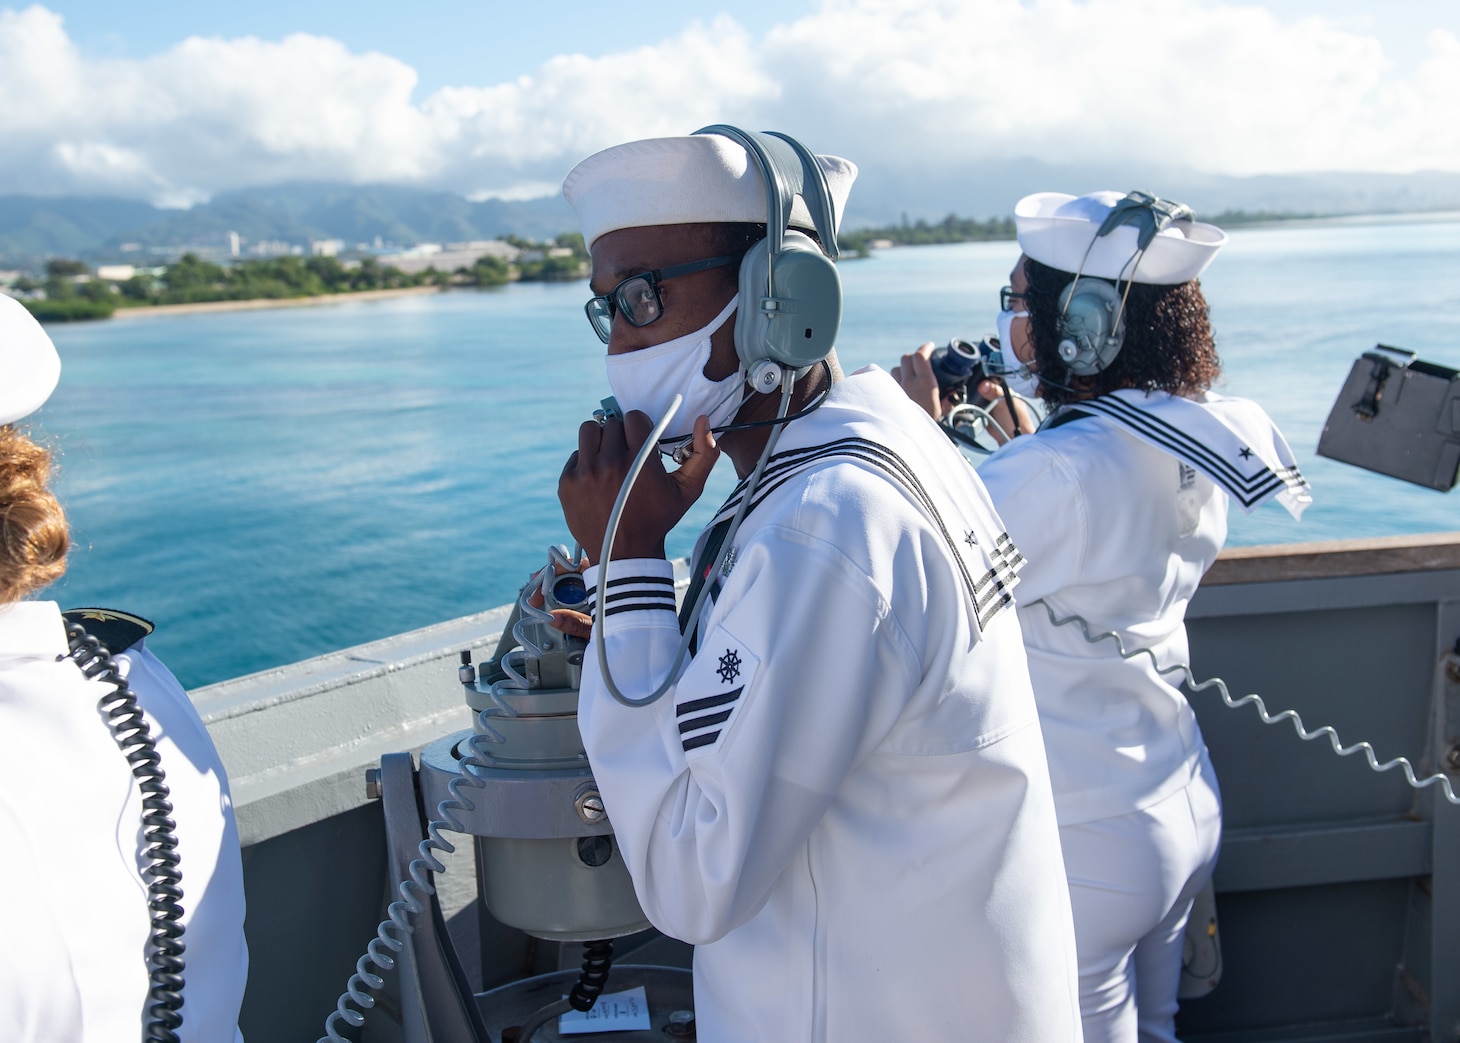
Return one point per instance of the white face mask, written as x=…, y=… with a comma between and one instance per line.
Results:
x=1021, y=379
x=648, y=380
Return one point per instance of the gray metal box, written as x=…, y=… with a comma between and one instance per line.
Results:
x=1398, y=416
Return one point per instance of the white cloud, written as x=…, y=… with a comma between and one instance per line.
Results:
x=1216, y=86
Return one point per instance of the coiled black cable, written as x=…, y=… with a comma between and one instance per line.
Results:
x=597, y=959
x=159, y=839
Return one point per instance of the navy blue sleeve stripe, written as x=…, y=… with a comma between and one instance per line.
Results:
x=695, y=705
x=640, y=606
x=641, y=595
x=700, y=740
x=649, y=581
x=653, y=581
x=694, y=724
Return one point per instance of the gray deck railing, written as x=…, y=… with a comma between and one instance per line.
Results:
x=1338, y=889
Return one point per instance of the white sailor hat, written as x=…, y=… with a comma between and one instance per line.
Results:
x=684, y=180
x=29, y=365
x=1062, y=231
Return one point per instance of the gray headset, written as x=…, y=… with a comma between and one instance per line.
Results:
x=1091, y=325
x=790, y=291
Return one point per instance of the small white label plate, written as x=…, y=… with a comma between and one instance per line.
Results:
x=614, y=1012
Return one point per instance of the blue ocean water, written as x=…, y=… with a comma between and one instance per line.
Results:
x=272, y=485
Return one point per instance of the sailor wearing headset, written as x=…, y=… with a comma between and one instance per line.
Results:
x=841, y=798
x=1119, y=503
x=76, y=959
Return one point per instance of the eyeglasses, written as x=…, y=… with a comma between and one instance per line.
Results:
x=1007, y=297
x=638, y=295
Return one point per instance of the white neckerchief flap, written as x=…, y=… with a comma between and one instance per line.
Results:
x=1230, y=440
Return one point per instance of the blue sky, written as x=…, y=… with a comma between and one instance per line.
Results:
x=174, y=102
x=449, y=44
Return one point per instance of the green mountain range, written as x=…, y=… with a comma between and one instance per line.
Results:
x=35, y=228
x=39, y=228
x=96, y=230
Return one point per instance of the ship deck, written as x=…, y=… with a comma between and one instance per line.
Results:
x=1338, y=888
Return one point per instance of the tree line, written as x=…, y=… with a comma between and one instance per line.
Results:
x=70, y=292
x=192, y=279
x=952, y=229
x=955, y=229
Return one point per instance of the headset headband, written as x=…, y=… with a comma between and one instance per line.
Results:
x=1149, y=214
x=1086, y=353
x=789, y=169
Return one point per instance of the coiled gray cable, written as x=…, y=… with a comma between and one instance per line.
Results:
x=1326, y=731
x=612, y=531
x=390, y=935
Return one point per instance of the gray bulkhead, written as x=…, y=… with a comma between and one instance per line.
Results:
x=1338, y=889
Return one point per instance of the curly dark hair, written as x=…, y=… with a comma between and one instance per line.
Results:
x=33, y=535
x=1168, y=340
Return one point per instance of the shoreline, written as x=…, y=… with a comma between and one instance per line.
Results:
x=1396, y=217
x=259, y=303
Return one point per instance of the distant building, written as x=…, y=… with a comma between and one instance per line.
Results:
x=233, y=244
x=275, y=248
x=496, y=248
x=115, y=272
x=485, y=248
x=454, y=256
x=326, y=247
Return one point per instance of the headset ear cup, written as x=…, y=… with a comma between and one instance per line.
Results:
x=792, y=324
x=750, y=322
x=1091, y=328
x=801, y=329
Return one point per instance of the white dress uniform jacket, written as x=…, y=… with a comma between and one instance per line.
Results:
x=70, y=820
x=1118, y=523
x=1119, y=533
x=843, y=802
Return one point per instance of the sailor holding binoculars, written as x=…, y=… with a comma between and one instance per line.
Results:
x=1119, y=502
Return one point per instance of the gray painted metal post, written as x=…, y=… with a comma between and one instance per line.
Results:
x=1445, y=817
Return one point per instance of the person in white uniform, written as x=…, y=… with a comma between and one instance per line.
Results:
x=841, y=798
x=71, y=813
x=1119, y=504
